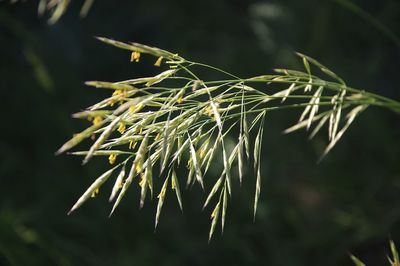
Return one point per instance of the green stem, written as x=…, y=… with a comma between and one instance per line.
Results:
x=375, y=99
x=217, y=69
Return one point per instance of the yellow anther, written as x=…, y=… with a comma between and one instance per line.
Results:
x=135, y=56
x=142, y=180
x=132, y=109
x=208, y=111
x=132, y=144
x=180, y=99
x=173, y=185
x=158, y=62
x=97, y=120
x=135, y=108
x=94, y=194
x=215, y=211
x=118, y=96
x=117, y=92
x=162, y=193
x=189, y=163
x=201, y=153
x=138, y=167
x=112, y=158
x=121, y=127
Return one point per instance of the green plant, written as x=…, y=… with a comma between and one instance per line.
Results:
x=394, y=261
x=177, y=116
x=57, y=8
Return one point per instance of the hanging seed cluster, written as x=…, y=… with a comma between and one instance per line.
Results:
x=151, y=126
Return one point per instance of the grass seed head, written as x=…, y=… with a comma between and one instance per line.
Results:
x=175, y=116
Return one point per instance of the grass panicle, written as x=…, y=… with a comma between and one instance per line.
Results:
x=177, y=118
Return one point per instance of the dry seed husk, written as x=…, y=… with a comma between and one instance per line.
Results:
x=196, y=165
x=79, y=137
x=118, y=183
x=161, y=198
x=89, y=192
x=214, y=219
x=176, y=187
x=106, y=133
x=257, y=165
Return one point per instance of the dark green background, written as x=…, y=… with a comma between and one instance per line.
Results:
x=309, y=213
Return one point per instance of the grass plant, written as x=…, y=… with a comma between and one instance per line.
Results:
x=393, y=259
x=150, y=126
x=57, y=8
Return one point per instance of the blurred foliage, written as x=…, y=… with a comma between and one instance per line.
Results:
x=309, y=214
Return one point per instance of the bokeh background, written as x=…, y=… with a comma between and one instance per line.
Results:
x=309, y=213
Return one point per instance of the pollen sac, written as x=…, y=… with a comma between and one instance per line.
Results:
x=97, y=120
x=158, y=62
x=112, y=158
x=121, y=127
x=135, y=56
